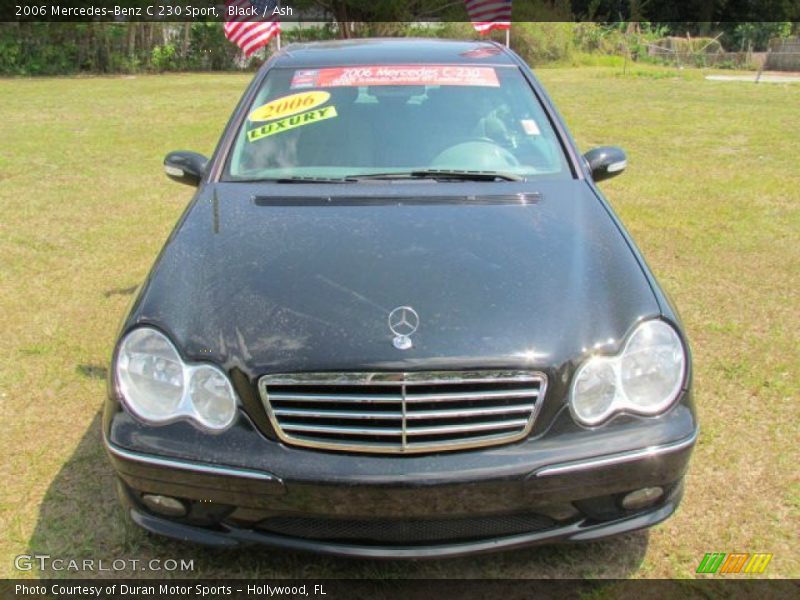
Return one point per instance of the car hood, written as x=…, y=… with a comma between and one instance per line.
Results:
x=282, y=278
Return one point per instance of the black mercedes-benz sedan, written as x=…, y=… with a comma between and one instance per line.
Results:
x=399, y=319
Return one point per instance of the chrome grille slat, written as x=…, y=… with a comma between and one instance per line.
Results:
x=470, y=396
x=366, y=399
x=466, y=428
x=388, y=378
x=335, y=414
x=391, y=412
x=341, y=430
x=468, y=412
x=395, y=448
x=353, y=445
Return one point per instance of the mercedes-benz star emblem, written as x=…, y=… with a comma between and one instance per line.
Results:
x=403, y=321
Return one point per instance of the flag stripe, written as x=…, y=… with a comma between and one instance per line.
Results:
x=249, y=32
x=489, y=14
x=258, y=38
x=482, y=27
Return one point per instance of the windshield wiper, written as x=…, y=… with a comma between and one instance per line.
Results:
x=441, y=174
x=295, y=180
x=438, y=174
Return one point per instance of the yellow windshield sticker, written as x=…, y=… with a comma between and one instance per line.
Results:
x=289, y=105
x=273, y=127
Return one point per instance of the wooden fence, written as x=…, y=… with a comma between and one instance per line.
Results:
x=784, y=55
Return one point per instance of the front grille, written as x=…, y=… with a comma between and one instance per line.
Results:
x=406, y=531
x=402, y=412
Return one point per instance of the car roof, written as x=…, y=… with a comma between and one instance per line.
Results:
x=386, y=51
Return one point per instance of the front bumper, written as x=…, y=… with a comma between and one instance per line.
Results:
x=228, y=536
x=560, y=486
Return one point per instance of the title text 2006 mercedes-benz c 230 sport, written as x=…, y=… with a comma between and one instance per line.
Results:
x=399, y=319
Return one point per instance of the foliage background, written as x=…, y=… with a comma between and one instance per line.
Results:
x=136, y=47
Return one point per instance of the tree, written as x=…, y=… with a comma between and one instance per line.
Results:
x=758, y=35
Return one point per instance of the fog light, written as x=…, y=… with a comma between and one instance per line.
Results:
x=642, y=498
x=164, y=505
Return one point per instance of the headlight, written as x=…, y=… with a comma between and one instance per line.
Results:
x=644, y=378
x=212, y=397
x=158, y=386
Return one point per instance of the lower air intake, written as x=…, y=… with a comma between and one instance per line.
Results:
x=406, y=531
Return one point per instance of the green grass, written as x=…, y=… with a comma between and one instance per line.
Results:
x=711, y=196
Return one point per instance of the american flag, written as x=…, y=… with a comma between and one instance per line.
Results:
x=250, y=32
x=489, y=14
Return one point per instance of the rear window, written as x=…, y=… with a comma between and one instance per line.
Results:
x=349, y=121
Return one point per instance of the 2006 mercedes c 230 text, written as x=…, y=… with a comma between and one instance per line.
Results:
x=399, y=319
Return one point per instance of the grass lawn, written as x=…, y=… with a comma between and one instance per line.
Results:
x=711, y=196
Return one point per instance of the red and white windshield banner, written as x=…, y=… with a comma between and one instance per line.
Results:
x=395, y=75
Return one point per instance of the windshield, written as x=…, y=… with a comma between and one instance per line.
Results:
x=358, y=121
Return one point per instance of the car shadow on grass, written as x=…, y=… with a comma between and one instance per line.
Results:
x=80, y=518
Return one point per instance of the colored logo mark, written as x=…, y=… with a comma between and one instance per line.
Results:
x=736, y=562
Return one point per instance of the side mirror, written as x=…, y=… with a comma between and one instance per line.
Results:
x=606, y=162
x=185, y=167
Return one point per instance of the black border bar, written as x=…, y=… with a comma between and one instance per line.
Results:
x=387, y=11
x=405, y=589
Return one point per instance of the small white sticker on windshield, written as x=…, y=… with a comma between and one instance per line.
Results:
x=530, y=127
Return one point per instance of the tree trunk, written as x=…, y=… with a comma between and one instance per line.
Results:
x=187, y=36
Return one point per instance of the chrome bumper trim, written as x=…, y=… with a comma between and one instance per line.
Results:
x=615, y=459
x=185, y=465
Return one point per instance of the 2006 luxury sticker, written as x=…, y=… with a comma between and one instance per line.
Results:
x=289, y=105
x=273, y=127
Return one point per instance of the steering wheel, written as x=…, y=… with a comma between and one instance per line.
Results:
x=476, y=138
x=477, y=153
